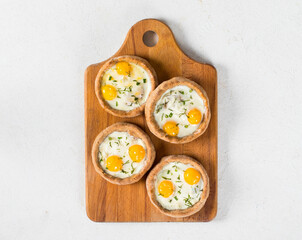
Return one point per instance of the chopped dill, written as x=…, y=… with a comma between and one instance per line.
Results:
x=159, y=107
x=132, y=171
x=126, y=162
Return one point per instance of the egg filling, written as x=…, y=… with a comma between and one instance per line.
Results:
x=179, y=111
x=178, y=186
x=122, y=155
x=125, y=86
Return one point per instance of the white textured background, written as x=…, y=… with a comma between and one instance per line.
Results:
x=45, y=47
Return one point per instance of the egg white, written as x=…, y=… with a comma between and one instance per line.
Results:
x=184, y=195
x=132, y=90
x=118, y=143
x=175, y=104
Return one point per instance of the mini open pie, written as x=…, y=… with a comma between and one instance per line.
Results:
x=178, y=110
x=123, y=85
x=178, y=186
x=122, y=153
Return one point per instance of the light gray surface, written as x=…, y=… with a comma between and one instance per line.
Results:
x=45, y=47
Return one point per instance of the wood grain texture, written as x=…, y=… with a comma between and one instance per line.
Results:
x=106, y=202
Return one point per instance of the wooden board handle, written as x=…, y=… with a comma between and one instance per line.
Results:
x=134, y=38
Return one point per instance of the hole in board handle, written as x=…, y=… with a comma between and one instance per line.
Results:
x=150, y=38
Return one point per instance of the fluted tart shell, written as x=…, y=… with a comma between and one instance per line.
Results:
x=151, y=185
x=155, y=97
x=111, y=62
x=133, y=130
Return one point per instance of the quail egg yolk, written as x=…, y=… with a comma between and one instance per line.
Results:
x=123, y=68
x=109, y=92
x=192, y=176
x=194, y=116
x=137, y=153
x=165, y=188
x=171, y=128
x=114, y=163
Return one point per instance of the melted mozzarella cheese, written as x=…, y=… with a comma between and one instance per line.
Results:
x=175, y=104
x=184, y=195
x=132, y=90
x=118, y=143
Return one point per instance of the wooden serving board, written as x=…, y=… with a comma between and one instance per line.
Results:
x=106, y=202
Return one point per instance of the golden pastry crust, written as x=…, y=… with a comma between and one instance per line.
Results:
x=134, y=131
x=151, y=181
x=156, y=95
x=131, y=59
